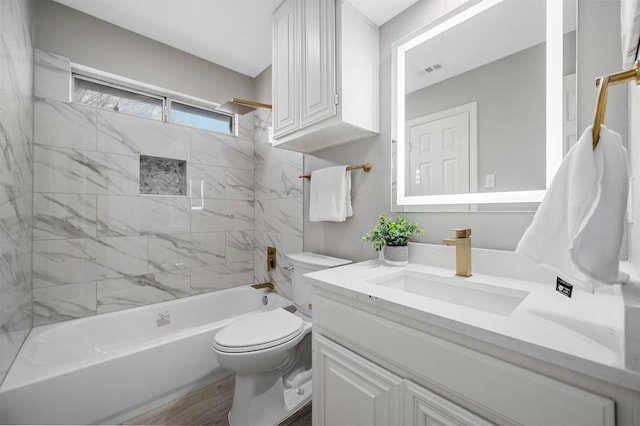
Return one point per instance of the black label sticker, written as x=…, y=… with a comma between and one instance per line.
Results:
x=563, y=287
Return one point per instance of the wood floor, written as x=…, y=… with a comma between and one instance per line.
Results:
x=207, y=406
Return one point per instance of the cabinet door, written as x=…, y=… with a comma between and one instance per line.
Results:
x=317, y=62
x=285, y=30
x=425, y=408
x=350, y=390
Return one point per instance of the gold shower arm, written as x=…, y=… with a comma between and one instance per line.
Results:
x=241, y=106
x=250, y=103
x=603, y=83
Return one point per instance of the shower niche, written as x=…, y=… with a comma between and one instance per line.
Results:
x=163, y=176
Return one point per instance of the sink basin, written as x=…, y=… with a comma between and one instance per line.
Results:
x=473, y=295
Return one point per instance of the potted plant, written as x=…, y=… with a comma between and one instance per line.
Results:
x=392, y=236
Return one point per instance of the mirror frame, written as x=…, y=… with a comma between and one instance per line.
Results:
x=554, y=152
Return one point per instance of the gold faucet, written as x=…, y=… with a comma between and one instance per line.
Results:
x=462, y=241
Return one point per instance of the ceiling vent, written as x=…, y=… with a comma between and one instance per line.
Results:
x=432, y=68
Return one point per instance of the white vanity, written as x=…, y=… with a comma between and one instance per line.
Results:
x=418, y=345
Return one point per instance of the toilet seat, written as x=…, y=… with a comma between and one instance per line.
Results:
x=259, y=331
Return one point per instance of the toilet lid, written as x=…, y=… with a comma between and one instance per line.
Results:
x=259, y=331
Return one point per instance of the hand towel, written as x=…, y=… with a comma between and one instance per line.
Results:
x=330, y=195
x=578, y=228
x=630, y=31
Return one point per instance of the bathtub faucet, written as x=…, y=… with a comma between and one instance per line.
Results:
x=164, y=318
x=268, y=286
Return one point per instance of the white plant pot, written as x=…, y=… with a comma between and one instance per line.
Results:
x=396, y=255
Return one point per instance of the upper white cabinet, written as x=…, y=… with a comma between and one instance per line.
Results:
x=325, y=75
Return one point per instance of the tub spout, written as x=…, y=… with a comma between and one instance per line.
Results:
x=269, y=286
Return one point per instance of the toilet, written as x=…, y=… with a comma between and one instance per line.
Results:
x=270, y=352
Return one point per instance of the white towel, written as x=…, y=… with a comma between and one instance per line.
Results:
x=630, y=31
x=578, y=228
x=330, y=195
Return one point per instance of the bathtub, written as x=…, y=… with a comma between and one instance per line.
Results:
x=112, y=367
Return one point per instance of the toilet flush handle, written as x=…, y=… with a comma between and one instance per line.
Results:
x=289, y=268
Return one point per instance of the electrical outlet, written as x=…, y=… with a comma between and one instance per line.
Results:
x=490, y=181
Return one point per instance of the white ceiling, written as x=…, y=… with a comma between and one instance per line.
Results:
x=233, y=33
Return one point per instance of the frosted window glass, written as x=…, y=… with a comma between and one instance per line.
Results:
x=201, y=118
x=115, y=99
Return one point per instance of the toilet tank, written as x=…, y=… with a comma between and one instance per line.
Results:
x=304, y=263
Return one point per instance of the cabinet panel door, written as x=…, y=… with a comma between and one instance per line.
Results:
x=350, y=390
x=318, y=72
x=285, y=30
x=425, y=408
x=517, y=394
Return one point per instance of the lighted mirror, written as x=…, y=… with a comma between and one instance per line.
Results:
x=478, y=113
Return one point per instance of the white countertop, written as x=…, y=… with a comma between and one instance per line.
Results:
x=584, y=333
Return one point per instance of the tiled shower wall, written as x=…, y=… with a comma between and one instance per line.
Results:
x=100, y=246
x=278, y=195
x=16, y=135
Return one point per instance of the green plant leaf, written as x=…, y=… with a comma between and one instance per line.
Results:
x=390, y=232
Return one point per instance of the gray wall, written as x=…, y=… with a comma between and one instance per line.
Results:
x=92, y=42
x=599, y=54
x=16, y=180
x=263, y=86
x=370, y=191
x=634, y=161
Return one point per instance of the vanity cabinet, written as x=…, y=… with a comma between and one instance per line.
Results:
x=424, y=407
x=325, y=75
x=353, y=390
x=368, y=364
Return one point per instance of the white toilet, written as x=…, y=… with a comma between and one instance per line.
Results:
x=270, y=352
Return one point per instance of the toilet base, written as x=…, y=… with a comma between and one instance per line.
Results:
x=263, y=400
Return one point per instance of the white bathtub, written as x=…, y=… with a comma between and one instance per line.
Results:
x=112, y=367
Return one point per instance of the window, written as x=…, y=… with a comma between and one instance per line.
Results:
x=197, y=117
x=116, y=99
x=100, y=94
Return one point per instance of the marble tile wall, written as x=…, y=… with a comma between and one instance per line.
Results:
x=278, y=204
x=100, y=246
x=16, y=176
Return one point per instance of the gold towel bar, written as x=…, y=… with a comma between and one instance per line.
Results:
x=366, y=167
x=603, y=84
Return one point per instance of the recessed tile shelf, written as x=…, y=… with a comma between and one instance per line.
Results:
x=163, y=176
